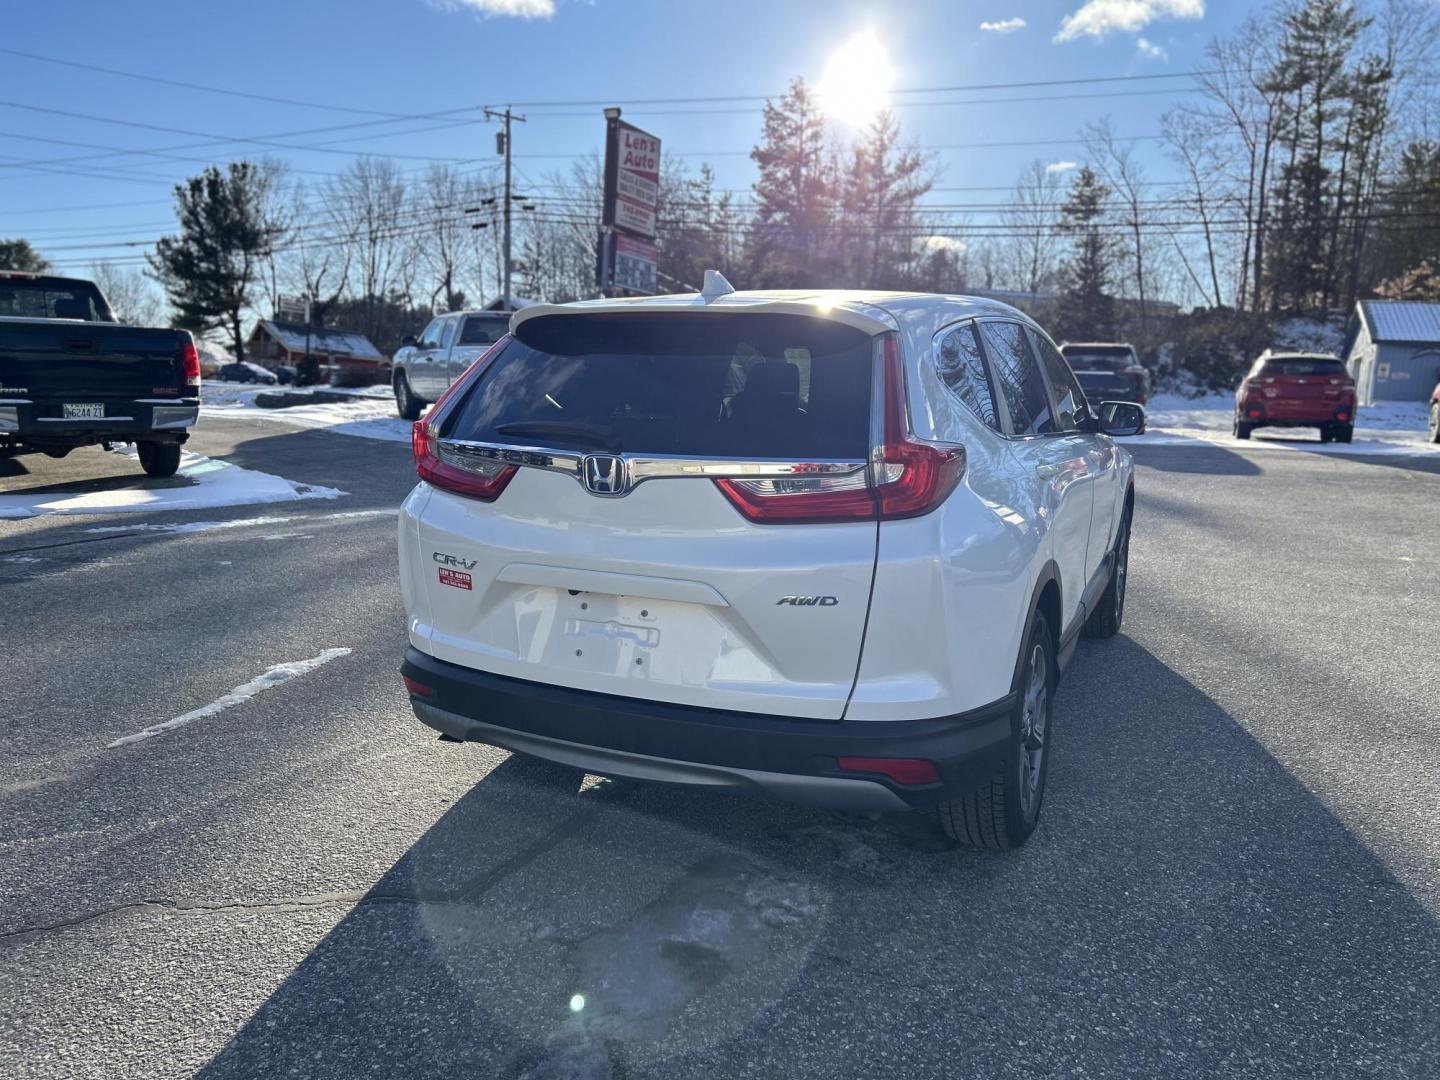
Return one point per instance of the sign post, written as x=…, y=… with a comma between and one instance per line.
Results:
x=626, y=248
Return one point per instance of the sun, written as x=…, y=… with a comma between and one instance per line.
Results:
x=857, y=80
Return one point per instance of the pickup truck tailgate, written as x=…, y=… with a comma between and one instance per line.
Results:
x=51, y=359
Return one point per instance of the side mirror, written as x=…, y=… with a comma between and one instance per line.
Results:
x=407, y=341
x=1122, y=418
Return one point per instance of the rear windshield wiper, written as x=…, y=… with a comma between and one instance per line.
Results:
x=566, y=431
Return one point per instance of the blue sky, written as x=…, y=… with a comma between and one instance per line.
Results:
x=414, y=56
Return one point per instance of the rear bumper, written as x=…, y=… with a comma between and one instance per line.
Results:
x=794, y=760
x=1295, y=415
x=42, y=423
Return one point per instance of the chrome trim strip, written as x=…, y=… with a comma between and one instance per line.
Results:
x=9, y=419
x=640, y=467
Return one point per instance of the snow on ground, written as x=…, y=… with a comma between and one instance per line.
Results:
x=1391, y=427
x=370, y=414
x=201, y=483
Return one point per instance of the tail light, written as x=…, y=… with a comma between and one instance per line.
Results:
x=190, y=362
x=906, y=477
x=476, y=478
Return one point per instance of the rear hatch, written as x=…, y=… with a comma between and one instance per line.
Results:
x=1302, y=387
x=71, y=361
x=1107, y=373
x=677, y=510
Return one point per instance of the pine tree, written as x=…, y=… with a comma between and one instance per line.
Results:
x=1086, y=309
x=794, y=194
x=19, y=255
x=211, y=268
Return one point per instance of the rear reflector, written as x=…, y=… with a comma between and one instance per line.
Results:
x=905, y=478
x=419, y=689
x=901, y=770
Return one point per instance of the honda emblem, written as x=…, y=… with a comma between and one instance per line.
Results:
x=604, y=474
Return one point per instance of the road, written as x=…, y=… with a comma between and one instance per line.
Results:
x=1237, y=874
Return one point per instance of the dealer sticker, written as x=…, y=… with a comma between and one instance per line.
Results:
x=457, y=578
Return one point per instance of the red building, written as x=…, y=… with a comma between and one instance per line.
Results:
x=273, y=343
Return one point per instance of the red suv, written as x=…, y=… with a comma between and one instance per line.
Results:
x=1297, y=390
x=1435, y=414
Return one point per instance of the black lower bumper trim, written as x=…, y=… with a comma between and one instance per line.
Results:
x=966, y=748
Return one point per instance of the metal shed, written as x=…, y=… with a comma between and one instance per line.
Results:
x=1393, y=350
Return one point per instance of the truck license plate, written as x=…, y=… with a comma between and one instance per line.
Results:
x=84, y=412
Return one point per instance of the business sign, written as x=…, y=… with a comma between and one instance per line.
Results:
x=626, y=263
x=292, y=309
x=632, y=178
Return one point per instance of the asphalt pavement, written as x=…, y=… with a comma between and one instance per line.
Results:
x=1237, y=873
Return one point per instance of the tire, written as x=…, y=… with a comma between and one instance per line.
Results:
x=1327, y=433
x=406, y=403
x=1002, y=814
x=1241, y=430
x=1435, y=422
x=159, y=459
x=1109, y=613
x=1344, y=432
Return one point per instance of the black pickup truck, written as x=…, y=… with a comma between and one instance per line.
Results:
x=70, y=375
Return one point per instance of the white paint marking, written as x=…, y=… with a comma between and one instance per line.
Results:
x=274, y=677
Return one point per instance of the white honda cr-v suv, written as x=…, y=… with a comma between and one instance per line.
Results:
x=832, y=546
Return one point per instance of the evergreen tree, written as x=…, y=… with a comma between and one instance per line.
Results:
x=1086, y=308
x=881, y=188
x=210, y=270
x=794, y=194
x=19, y=255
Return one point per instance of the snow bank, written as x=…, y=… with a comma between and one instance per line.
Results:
x=203, y=483
x=1391, y=427
x=370, y=414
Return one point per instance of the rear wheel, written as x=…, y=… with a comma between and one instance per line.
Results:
x=1435, y=422
x=159, y=459
x=1242, y=430
x=1003, y=813
x=1344, y=432
x=406, y=403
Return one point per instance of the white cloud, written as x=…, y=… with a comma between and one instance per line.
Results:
x=517, y=9
x=1062, y=166
x=1004, y=26
x=944, y=243
x=1096, y=18
x=1150, y=51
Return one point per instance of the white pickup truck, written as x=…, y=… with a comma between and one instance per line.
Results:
x=425, y=367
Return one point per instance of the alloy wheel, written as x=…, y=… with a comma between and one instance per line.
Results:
x=1034, y=723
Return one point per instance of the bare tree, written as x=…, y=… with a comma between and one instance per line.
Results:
x=1118, y=166
x=314, y=264
x=1029, y=254
x=133, y=297
x=1194, y=144
x=367, y=206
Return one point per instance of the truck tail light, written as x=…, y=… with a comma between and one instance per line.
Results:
x=478, y=479
x=190, y=362
x=905, y=478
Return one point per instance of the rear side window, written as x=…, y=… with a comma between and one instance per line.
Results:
x=484, y=329
x=1303, y=365
x=714, y=385
x=1017, y=378
x=52, y=298
x=961, y=367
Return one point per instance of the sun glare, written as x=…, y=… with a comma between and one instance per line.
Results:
x=857, y=80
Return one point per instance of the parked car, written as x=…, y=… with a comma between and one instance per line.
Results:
x=426, y=366
x=70, y=375
x=246, y=372
x=1297, y=390
x=284, y=373
x=1435, y=414
x=785, y=542
x=1108, y=371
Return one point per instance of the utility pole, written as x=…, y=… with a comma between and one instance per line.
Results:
x=503, y=140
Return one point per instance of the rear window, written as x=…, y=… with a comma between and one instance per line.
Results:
x=1116, y=358
x=52, y=298
x=1302, y=365
x=484, y=329
x=716, y=385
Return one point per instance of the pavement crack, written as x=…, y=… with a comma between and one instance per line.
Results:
x=210, y=907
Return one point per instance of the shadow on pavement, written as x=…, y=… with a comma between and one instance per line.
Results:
x=1199, y=457
x=1188, y=908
